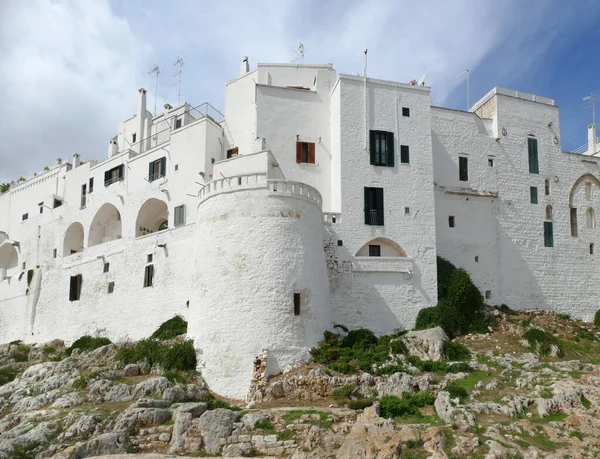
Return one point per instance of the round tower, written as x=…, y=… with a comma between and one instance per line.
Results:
x=260, y=279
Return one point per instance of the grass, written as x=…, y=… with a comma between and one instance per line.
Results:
x=468, y=383
x=396, y=407
x=175, y=377
x=456, y=351
x=171, y=328
x=22, y=353
x=433, y=420
x=542, y=341
x=265, y=427
x=293, y=415
x=344, y=392
x=554, y=417
x=180, y=356
x=586, y=403
x=7, y=375
x=576, y=434
x=457, y=391
x=87, y=343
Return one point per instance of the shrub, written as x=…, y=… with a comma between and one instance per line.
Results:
x=7, y=375
x=457, y=391
x=457, y=351
x=460, y=367
x=145, y=350
x=180, y=356
x=541, y=340
x=213, y=404
x=563, y=316
x=393, y=407
x=506, y=310
x=175, y=377
x=265, y=426
x=343, y=392
x=171, y=328
x=360, y=404
x=87, y=343
x=597, y=318
x=362, y=338
x=22, y=353
x=439, y=367
x=423, y=398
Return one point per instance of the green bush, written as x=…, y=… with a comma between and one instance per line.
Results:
x=506, y=310
x=391, y=369
x=87, y=343
x=541, y=340
x=360, y=404
x=597, y=318
x=213, y=404
x=171, y=328
x=563, y=316
x=457, y=391
x=362, y=338
x=422, y=398
x=343, y=392
x=456, y=351
x=145, y=350
x=429, y=366
x=175, y=377
x=7, y=375
x=180, y=356
x=22, y=353
x=393, y=406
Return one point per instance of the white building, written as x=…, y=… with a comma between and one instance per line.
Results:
x=317, y=199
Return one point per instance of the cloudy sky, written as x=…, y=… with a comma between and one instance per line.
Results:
x=69, y=69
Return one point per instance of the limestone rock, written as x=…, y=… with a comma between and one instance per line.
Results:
x=119, y=393
x=465, y=446
x=153, y=386
x=108, y=443
x=180, y=427
x=444, y=408
x=85, y=425
x=131, y=418
x=426, y=344
x=251, y=419
x=132, y=369
x=68, y=400
x=497, y=451
x=214, y=425
x=434, y=440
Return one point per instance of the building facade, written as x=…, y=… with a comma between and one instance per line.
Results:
x=316, y=199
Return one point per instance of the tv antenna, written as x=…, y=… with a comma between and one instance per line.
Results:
x=179, y=65
x=299, y=53
x=592, y=99
x=155, y=71
x=468, y=89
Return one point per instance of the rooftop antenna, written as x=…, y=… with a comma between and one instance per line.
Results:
x=592, y=99
x=155, y=71
x=179, y=65
x=300, y=53
x=468, y=92
x=421, y=81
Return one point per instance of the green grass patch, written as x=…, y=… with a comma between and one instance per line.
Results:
x=457, y=391
x=7, y=375
x=541, y=341
x=323, y=420
x=175, y=377
x=87, y=343
x=576, y=434
x=430, y=366
x=575, y=374
x=344, y=392
x=554, y=417
x=180, y=356
x=214, y=403
x=22, y=353
x=266, y=427
x=563, y=316
x=83, y=381
x=457, y=351
x=547, y=393
x=597, y=318
x=586, y=403
x=409, y=404
x=171, y=328
x=469, y=382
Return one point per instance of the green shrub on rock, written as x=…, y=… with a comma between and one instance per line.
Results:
x=456, y=351
x=87, y=343
x=597, y=318
x=180, y=356
x=541, y=340
x=171, y=328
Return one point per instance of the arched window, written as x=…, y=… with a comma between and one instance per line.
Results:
x=548, y=212
x=73, y=241
x=153, y=216
x=9, y=259
x=381, y=247
x=106, y=225
x=589, y=191
x=591, y=218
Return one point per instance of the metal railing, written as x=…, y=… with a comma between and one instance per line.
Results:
x=206, y=109
x=511, y=93
x=112, y=180
x=585, y=147
x=375, y=217
x=156, y=176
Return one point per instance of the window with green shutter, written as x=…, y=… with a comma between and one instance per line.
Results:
x=532, y=148
x=382, y=148
x=548, y=235
x=373, y=206
x=533, y=194
x=404, y=154
x=157, y=169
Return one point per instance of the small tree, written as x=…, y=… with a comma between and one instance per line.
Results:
x=4, y=187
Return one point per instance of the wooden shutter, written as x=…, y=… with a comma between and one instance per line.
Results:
x=404, y=154
x=533, y=156
x=121, y=168
x=379, y=205
x=73, y=289
x=163, y=166
x=79, y=282
x=367, y=206
x=151, y=171
x=390, y=149
x=372, y=146
x=106, y=178
x=311, y=153
x=533, y=194
x=573, y=222
x=548, y=234
x=298, y=152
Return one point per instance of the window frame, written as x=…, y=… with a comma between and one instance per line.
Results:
x=377, y=156
x=533, y=195
x=533, y=155
x=179, y=216
x=404, y=154
x=297, y=303
x=463, y=168
x=161, y=165
x=548, y=234
x=75, y=287
x=406, y=112
x=451, y=221
x=310, y=150
x=111, y=287
x=374, y=206
x=114, y=175
x=149, y=275
x=374, y=250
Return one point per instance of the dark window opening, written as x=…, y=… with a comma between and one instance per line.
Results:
x=149, y=258
x=488, y=294
x=374, y=250
x=106, y=267
x=404, y=154
x=340, y=243
x=25, y=217
x=591, y=248
x=476, y=259
x=546, y=187
x=83, y=194
x=133, y=137
x=451, y=221
x=463, y=169
x=405, y=111
x=374, y=206
x=113, y=175
x=232, y=152
x=532, y=149
x=149, y=276
x=157, y=169
x=533, y=196
x=57, y=203
x=573, y=215
x=297, y=298
x=305, y=152
x=178, y=123
x=176, y=167
x=382, y=148
x=54, y=252
x=111, y=287
x=24, y=265
x=41, y=204
x=407, y=211
x=75, y=287
x=548, y=235
x=91, y=187
x=491, y=162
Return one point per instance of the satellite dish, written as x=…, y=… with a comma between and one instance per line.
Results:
x=421, y=81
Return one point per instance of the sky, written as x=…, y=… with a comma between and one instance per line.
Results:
x=70, y=69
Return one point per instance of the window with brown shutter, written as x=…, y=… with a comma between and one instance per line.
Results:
x=305, y=152
x=232, y=152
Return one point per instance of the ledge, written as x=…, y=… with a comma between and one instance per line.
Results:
x=467, y=191
x=383, y=265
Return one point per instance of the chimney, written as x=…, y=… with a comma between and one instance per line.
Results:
x=141, y=115
x=244, y=68
x=76, y=160
x=592, y=139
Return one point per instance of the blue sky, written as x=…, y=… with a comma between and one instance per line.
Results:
x=70, y=70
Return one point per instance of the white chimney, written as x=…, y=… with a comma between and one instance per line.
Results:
x=244, y=68
x=76, y=160
x=141, y=115
x=592, y=139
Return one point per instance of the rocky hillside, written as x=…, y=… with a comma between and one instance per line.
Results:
x=528, y=388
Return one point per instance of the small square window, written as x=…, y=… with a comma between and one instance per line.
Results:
x=149, y=258
x=25, y=217
x=41, y=204
x=374, y=250
x=24, y=265
x=488, y=294
x=106, y=267
x=405, y=111
x=54, y=253
x=404, y=154
x=297, y=300
x=592, y=248
x=133, y=137
x=75, y=287
x=176, y=167
x=178, y=123
x=491, y=162
x=451, y=221
x=476, y=259
x=149, y=276
x=407, y=211
x=546, y=187
x=179, y=218
x=111, y=287
x=57, y=203
x=340, y=243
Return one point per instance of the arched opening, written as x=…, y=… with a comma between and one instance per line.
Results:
x=73, y=241
x=381, y=247
x=548, y=212
x=590, y=218
x=589, y=191
x=586, y=177
x=153, y=216
x=9, y=260
x=106, y=225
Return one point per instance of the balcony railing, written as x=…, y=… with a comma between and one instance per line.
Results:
x=112, y=180
x=375, y=217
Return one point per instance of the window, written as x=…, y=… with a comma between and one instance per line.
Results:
x=573, y=222
x=179, y=215
x=589, y=191
x=75, y=287
x=25, y=217
x=24, y=265
x=548, y=235
x=54, y=253
x=491, y=162
x=405, y=111
x=113, y=175
x=463, y=168
x=178, y=123
x=488, y=294
x=374, y=206
x=404, y=156
x=111, y=287
x=340, y=243
x=176, y=167
x=157, y=169
x=83, y=194
x=476, y=259
x=305, y=152
x=374, y=250
x=41, y=206
x=148, y=276
x=133, y=137
x=57, y=203
x=297, y=299
x=149, y=258
x=451, y=221
x=546, y=187
x=91, y=187
x=548, y=212
x=591, y=248
x=106, y=267
x=232, y=152
x=533, y=198
x=590, y=218
x=532, y=148
x=382, y=148
x=407, y=211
